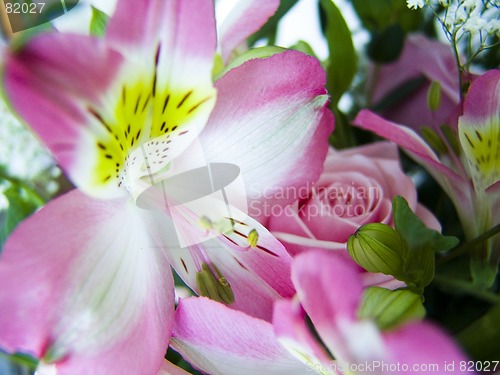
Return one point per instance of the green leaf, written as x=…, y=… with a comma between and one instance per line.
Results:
x=98, y=23
x=304, y=47
x=386, y=45
x=22, y=203
x=390, y=308
x=343, y=61
x=481, y=340
x=253, y=53
x=422, y=243
x=379, y=14
x=415, y=232
x=268, y=31
x=374, y=14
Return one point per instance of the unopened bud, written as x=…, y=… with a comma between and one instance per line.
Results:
x=391, y=308
x=377, y=248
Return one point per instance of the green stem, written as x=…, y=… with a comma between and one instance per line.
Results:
x=19, y=183
x=466, y=287
x=461, y=249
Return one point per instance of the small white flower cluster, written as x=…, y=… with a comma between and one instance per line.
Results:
x=462, y=16
x=23, y=157
x=415, y=4
x=474, y=23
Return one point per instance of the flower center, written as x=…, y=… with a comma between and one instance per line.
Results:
x=144, y=114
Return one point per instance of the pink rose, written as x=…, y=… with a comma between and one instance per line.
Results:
x=356, y=187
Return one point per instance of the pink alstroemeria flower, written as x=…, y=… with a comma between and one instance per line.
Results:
x=425, y=59
x=471, y=179
x=87, y=285
x=329, y=291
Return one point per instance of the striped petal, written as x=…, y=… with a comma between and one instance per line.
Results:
x=479, y=130
x=258, y=273
x=97, y=105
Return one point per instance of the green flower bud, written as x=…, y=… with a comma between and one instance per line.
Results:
x=390, y=308
x=377, y=248
x=434, y=96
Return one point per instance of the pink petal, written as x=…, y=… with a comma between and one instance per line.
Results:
x=427, y=217
x=421, y=57
x=247, y=17
x=290, y=326
x=258, y=275
x=408, y=140
x=379, y=150
x=87, y=288
x=97, y=100
x=275, y=129
x=219, y=340
x=483, y=99
x=169, y=368
x=183, y=27
x=421, y=343
x=64, y=82
x=479, y=130
x=329, y=288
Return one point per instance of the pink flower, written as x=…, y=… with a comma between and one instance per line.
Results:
x=87, y=279
x=421, y=62
x=329, y=291
x=471, y=175
x=322, y=320
x=356, y=188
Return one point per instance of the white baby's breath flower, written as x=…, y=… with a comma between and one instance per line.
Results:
x=415, y=4
x=474, y=24
x=492, y=27
x=22, y=155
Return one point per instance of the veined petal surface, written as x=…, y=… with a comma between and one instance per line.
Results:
x=96, y=102
x=479, y=130
x=258, y=273
x=220, y=340
x=271, y=120
x=85, y=288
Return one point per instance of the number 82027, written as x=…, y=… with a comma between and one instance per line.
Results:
x=24, y=8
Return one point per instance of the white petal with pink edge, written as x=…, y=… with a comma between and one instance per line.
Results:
x=220, y=340
x=258, y=273
x=87, y=286
x=275, y=129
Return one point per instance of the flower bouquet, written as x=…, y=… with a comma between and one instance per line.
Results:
x=185, y=189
